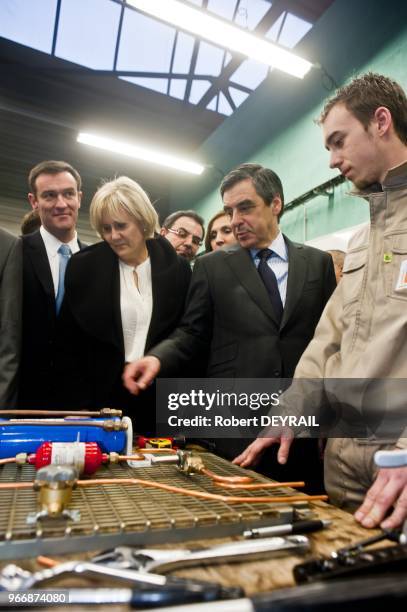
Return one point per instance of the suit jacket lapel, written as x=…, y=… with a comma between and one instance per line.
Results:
x=162, y=277
x=245, y=271
x=297, y=271
x=94, y=289
x=39, y=259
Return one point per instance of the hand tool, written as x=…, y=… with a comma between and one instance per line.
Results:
x=290, y=528
x=159, y=560
x=150, y=587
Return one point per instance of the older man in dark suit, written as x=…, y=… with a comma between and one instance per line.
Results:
x=255, y=306
x=55, y=191
x=10, y=316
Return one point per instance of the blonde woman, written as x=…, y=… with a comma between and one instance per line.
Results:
x=122, y=296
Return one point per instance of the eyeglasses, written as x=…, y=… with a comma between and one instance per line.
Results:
x=184, y=234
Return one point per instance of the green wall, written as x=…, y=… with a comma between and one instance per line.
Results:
x=275, y=126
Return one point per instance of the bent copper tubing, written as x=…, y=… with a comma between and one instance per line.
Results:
x=202, y=495
x=261, y=485
x=62, y=413
x=233, y=480
x=180, y=490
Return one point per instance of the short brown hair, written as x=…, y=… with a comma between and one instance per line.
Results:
x=266, y=182
x=52, y=167
x=365, y=94
x=30, y=222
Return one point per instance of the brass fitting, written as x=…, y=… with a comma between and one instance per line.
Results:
x=55, y=484
x=189, y=463
x=21, y=458
x=114, y=425
x=114, y=457
x=111, y=412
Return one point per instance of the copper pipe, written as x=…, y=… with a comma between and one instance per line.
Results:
x=259, y=485
x=138, y=457
x=60, y=413
x=7, y=460
x=115, y=425
x=158, y=485
x=16, y=485
x=200, y=494
x=233, y=480
x=149, y=451
x=46, y=561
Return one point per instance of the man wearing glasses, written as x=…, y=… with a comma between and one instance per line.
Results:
x=185, y=230
x=55, y=191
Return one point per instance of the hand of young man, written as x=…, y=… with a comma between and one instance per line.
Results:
x=138, y=375
x=252, y=454
x=389, y=488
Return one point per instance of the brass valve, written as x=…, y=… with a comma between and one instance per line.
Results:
x=54, y=484
x=190, y=463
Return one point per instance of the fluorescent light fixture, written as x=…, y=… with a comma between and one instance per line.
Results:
x=139, y=152
x=221, y=33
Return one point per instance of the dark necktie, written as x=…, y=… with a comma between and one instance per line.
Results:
x=64, y=253
x=269, y=279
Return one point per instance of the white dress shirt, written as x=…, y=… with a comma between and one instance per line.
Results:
x=136, y=306
x=52, y=245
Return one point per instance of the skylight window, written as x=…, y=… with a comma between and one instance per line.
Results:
x=28, y=23
x=154, y=54
x=250, y=74
x=223, y=105
x=251, y=12
x=223, y=8
x=198, y=89
x=145, y=44
x=210, y=59
x=293, y=31
x=183, y=52
x=94, y=39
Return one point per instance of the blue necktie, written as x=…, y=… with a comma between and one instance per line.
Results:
x=64, y=253
x=269, y=279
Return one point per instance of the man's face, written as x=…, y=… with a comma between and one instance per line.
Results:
x=354, y=150
x=58, y=200
x=185, y=236
x=254, y=223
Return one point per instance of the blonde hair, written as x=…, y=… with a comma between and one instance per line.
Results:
x=124, y=194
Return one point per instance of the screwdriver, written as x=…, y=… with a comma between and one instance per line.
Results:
x=287, y=529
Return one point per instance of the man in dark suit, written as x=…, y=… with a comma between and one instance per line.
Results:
x=55, y=191
x=10, y=316
x=257, y=324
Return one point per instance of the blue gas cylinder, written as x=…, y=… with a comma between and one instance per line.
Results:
x=21, y=437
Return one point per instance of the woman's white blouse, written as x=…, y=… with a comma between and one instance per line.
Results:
x=136, y=305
